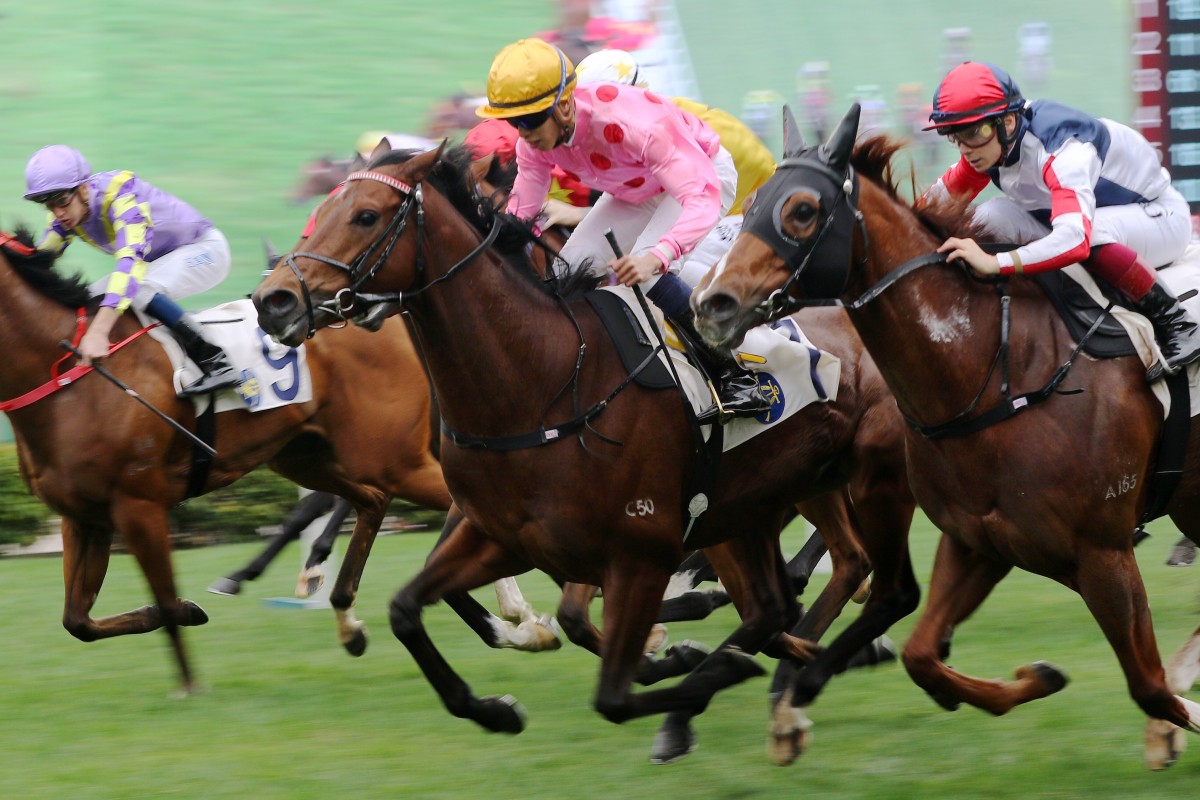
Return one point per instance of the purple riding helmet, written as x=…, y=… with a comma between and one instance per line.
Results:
x=55, y=168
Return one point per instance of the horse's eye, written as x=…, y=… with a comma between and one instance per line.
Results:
x=366, y=218
x=804, y=212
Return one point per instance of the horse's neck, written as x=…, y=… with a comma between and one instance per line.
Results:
x=491, y=341
x=932, y=328
x=32, y=327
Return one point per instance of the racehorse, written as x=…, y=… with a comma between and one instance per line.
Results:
x=106, y=464
x=1055, y=488
x=597, y=495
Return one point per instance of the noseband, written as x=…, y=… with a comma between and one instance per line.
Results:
x=358, y=270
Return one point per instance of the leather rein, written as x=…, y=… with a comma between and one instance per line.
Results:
x=359, y=273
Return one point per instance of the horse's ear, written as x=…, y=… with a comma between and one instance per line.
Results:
x=271, y=253
x=793, y=140
x=836, y=151
x=423, y=163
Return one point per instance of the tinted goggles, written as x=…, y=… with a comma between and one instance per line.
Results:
x=532, y=121
x=54, y=199
x=975, y=135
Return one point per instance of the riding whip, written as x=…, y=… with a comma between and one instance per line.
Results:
x=64, y=344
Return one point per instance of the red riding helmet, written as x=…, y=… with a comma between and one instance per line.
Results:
x=971, y=92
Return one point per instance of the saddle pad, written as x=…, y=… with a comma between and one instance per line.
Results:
x=273, y=374
x=792, y=369
x=1182, y=277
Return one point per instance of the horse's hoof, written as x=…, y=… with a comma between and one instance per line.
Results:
x=1164, y=743
x=690, y=653
x=1182, y=555
x=501, y=714
x=743, y=666
x=946, y=701
x=356, y=645
x=788, y=735
x=192, y=614
x=672, y=742
x=656, y=640
x=225, y=586
x=1050, y=676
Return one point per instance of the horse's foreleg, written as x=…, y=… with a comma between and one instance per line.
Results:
x=351, y=632
x=1111, y=585
x=144, y=527
x=1165, y=742
x=462, y=560
x=753, y=569
x=962, y=580
x=830, y=513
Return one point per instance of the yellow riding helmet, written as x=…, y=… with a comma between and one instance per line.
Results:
x=528, y=76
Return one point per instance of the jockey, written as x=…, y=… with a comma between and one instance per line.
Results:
x=665, y=177
x=164, y=250
x=751, y=158
x=1076, y=188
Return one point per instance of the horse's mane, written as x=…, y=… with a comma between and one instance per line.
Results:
x=37, y=269
x=873, y=159
x=451, y=176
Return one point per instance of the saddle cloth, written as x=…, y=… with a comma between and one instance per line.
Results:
x=273, y=374
x=1180, y=277
x=793, y=371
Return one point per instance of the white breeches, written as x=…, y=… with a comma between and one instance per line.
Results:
x=185, y=271
x=1158, y=231
x=638, y=227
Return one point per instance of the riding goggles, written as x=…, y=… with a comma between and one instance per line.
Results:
x=55, y=199
x=976, y=135
x=532, y=121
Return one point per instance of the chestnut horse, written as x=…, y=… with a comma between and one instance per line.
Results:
x=559, y=461
x=1055, y=488
x=108, y=465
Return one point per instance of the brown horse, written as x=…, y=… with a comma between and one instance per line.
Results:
x=1056, y=489
x=107, y=464
x=560, y=462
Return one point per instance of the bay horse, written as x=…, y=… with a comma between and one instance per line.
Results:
x=1055, y=488
x=516, y=361
x=108, y=465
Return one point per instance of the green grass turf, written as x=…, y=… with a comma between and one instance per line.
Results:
x=288, y=715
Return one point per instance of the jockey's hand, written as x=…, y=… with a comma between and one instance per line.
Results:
x=967, y=250
x=94, y=344
x=632, y=270
x=556, y=212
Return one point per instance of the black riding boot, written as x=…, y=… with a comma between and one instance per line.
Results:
x=1177, y=333
x=737, y=387
x=218, y=372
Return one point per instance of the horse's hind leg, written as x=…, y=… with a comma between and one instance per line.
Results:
x=962, y=580
x=299, y=518
x=144, y=528
x=313, y=575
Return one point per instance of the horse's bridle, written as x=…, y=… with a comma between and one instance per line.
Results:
x=346, y=299
x=825, y=276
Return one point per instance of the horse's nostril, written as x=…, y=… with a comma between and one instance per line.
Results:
x=718, y=306
x=277, y=302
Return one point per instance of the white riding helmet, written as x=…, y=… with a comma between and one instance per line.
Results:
x=609, y=66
